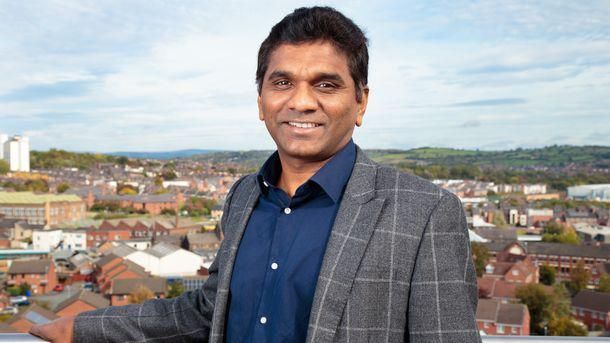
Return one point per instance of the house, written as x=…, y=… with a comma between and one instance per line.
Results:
x=39, y=274
x=497, y=318
x=46, y=240
x=120, y=290
x=167, y=260
x=81, y=301
x=593, y=309
x=497, y=289
x=562, y=257
x=34, y=315
x=124, y=270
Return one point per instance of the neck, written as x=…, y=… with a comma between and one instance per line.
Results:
x=296, y=172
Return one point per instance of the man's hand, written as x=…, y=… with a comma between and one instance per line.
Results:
x=57, y=331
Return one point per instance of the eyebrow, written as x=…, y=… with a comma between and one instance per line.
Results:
x=321, y=76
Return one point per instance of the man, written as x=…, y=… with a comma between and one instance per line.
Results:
x=323, y=244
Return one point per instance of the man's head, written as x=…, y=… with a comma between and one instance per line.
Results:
x=312, y=81
x=319, y=24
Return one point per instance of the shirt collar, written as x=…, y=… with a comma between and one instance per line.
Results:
x=332, y=177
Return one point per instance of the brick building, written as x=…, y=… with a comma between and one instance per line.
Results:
x=593, y=309
x=562, y=257
x=122, y=289
x=33, y=315
x=81, y=301
x=497, y=318
x=39, y=274
x=42, y=209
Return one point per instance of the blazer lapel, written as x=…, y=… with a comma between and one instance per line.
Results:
x=245, y=199
x=349, y=237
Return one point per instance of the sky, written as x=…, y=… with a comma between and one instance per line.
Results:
x=105, y=76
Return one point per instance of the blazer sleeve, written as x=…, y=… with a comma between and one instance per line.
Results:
x=443, y=294
x=187, y=318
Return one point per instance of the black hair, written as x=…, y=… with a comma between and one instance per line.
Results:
x=308, y=24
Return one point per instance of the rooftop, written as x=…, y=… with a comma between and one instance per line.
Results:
x=29, y=198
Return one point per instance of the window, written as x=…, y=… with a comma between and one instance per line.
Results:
x=500, y=328
x=514, y=330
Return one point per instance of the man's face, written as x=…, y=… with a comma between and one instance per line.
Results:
x=308, y=100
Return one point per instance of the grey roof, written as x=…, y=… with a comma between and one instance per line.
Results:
x=497, y=312
x=35, y=314
x=543, y=248
x=203, y=238
x=106, y=259
x=592, y=300
x=497, y=234
x=30, y=267
x=88, y=297
x=128, y=286
x=121, y=250
x=162, y=249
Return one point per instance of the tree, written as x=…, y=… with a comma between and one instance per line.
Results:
x=175, y=289
x=538, y=302
x=579, y=278
x=604, y=283
x=140, y=295
x=481, y=256
x=4, y=166
x=127, y=190
x=566, y=326
x=24, y=288
x=37, y=185
x=184, y=243
x=498, y=219
x=62, y=187
x=122, y=160
x=547, y=275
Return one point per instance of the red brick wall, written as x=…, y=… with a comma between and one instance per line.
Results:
x=41, y=283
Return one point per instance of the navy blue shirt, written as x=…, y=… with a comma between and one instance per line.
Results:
x=280, y=255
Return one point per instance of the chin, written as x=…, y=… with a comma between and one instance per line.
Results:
x=303, y=149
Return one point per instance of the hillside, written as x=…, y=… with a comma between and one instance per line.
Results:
x=552, y=156
x=55, y=158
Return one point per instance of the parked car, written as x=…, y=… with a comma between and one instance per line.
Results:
x=88, y=286
x=9, y=310
x=19, y=300
x=58, y=288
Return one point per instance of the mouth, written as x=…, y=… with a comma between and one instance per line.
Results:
x=303, y=125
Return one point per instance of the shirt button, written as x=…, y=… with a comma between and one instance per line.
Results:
x=263, y=320
x=287, y=210
x=265, y=183
x=273, y=265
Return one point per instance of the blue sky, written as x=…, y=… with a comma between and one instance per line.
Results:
x=164, y=75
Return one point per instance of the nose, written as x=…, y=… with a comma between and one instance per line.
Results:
x=303, y=99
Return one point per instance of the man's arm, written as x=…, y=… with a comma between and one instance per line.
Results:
x=443, y=294
x=185, y=318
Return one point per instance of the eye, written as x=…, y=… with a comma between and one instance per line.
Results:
x=282, y=83
x=326, y=85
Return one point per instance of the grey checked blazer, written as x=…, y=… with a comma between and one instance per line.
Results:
x=397, y=268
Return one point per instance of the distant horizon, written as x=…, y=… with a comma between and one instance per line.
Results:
x=364, y=148
x=154, y=76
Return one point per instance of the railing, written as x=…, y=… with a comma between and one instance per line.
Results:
x=27, y=338
x=19, y=338
x=542, y=339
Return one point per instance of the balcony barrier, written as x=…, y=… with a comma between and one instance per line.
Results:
x=27, y=338
x=19, y=338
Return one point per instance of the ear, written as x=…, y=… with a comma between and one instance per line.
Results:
x=259, y=102
x=362, y=106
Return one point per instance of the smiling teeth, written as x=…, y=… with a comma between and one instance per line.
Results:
x=303, y=125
